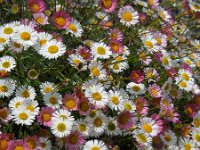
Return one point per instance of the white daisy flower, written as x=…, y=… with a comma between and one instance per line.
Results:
x=166, y=60
x=27, y=92
x=7, y=63
x=111, y=127
x=89, y=83
x=118, y=66
x=183, y=84
x=23, y=116
x=149, y=126
x=16, y=102
x=47, y=87
x=62, y=114
x=97, y=70
x=128, y=16
x=77, y=61
x=164, y=14
x=45, y=143
x=75, y=28
x=52, y=49
x=43, y=38
x=95, y=145
x=185, y=75
x=142, y=138
x=53, y=100
x=30, y=105
x=196, y=136
x=169, y=138
x=25, y=35
x=115, y=100
x=17, y=47
x=150, y=43
x=129, y=106
x=3, y=42
x=82, y=126
x=136, y=89
x=188, y=61
x=7, y=87
x=7, y=30
x=186, y=144
x=196, y=121
x=100, y=50
x=97, y=96
x=61, y=128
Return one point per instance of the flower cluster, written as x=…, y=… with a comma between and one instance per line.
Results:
x=100, y=75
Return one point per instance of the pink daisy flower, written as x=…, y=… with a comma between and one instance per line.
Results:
x=108, y=5
x=5, y=115
x=84, y=106
x=32, y=24
x=84, y=52
x=158, y=121
x=142, y=106
x=170, y=114
x=106, y=24
x=74, y=140
x=70, y=101
x=4, y=141
x=124, y=120
x=40, y=18
x=61, y=19
x=116, y=46
x=45, y=115
x=136, y=76
x=17, y=144
x=116, y=35
x=32, y=142
x=155, y=91
x=191, y=110
x=171, y=72
x=154, y=3
x=36, y=6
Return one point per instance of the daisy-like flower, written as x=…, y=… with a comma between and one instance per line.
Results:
x=52, y=49
x=43, y=38
x=25, y=35
x=47, y=87
x=4, y=140
x=97, y=70
x=141, y=106
x=196, y=137
x=161, y=39
x=196, y=44
x=111, y=127
x=149, y=126
x=136, y=76
x=30, y=105
x=75, y=28
x=7, y=87
x=16, y=47
x=53, y=100
x=169, y=138
x=194, y=5
x=153, y=3
x=16, y=102
x=165, y=15
x=116, y=35
x=136, y=89
x=45, y=143
x=27, y=92
x=32, y=142
x=185, y=75
x=82, y=126
x=115, y=100
x=102, y=16
x=124, y=120
x=70, y=101
x=144, y=57
x=84, y=106
x=16, y=144
x=77, y=61
x=116, y=47
x=97, y=96
x=128, y=16
x=184, y=84
x=36, y=6
x=61, y=128
x=119, y=64
x=62, y=114
x=23, y=116
x=45, y=116
x=155, y=91
x=186, y=144
x=150, y=43
x=166, y=60
x=196, y=120
x=100, y=50
x=40, y=18
x=7, y=30
x=129, y=106
x=188, y=61
x=61, y=19
x=3, y=42
x=142, y=138
x=5, y=114
x=95, y=145
x=108, y=5
x=7, y=63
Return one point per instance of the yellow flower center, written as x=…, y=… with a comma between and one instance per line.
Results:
x=142, y=138
x=17, y=104
x=70, y=104
x=6, y=64
x=76, y=62
x=39, y=20
x=107, y=3
x=149, y=44
x=2, y=40
x=115, y=100
x=95, y=148
x=73, y=139
x=136, y=88
x=60, y=21
x=127, y=16
x=119, y=58
x=3, y=88
x=147, y=128
x=167, y=138
x=197, y=137
x=8, y=30
x=123, y=119
x=25, y=94
x=116, y=66
x=31, y=108
x=183, y=84
x=127, y=106
x=3, y=144
x=101, y=50
x=48, y=89
x=115, y=47
x=154, y=92
x=23, y=116
x=165, y=60
x=196, y=122
x=35, y=7
x=98, y=122
x=159, y=42
x=151, y=2
x=82, y=127
x=46, y=117
x=25, y=36
x=185, y=76
x=187, y=146
x=17, y=45
x=15, y=8
x=53, y=100
x=95, y=71
x=19, y=148
x=42, y=42
x=31, y=144
x=188, y=62
x=61, y=127
x=72, y=27
x=197, y=46
x=195, y=6
x=162, y=15
x=53, y=49
x=96, y=96
x=84, y=106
